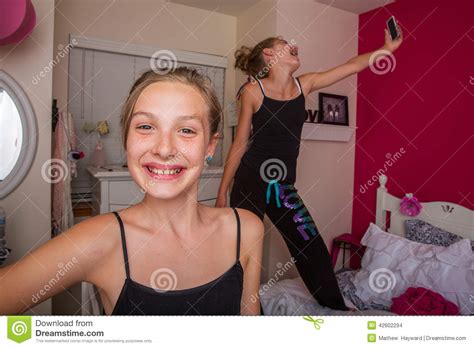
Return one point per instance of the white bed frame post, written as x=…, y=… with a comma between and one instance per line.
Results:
x=381, y=214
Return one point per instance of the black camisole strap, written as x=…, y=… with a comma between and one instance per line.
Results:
x=297, y=80
x=124, y=244
x=238, y=233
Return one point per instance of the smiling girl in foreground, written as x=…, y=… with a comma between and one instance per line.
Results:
x=168, y=254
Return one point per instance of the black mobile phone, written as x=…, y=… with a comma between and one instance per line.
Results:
x=392, y=28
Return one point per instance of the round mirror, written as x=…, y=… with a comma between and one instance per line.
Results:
x=17, y=134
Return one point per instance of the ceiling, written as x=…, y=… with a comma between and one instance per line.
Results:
x=356, y=6
x=228, y=7
x=236, y=7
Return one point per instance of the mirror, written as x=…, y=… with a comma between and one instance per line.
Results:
x=11, y=136
x=18, y=134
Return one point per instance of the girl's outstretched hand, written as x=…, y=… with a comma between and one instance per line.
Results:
x=390, y=44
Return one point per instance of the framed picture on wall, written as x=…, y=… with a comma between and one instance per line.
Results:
x=333, y=109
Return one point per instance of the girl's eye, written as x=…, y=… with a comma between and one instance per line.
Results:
x=187, y=131
x=144, y=126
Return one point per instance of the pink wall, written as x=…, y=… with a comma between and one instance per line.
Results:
x=424, y=106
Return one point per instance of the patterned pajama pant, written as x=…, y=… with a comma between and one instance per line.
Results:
x=285, y=208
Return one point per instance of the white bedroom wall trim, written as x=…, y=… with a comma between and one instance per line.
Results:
x=146, y=51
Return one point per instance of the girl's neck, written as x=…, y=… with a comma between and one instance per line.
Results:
x=180, y=215
x=280, y=80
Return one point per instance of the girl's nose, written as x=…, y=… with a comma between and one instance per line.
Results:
x=164, y=146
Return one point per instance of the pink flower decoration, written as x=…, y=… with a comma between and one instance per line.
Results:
x=410, y=205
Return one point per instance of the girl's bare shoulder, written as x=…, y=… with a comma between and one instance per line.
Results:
x=251, y=227
x=97, y=236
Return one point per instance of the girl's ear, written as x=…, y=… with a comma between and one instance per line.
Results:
x=268, y=51
x=211, y=148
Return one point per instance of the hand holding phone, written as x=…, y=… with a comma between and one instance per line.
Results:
x=393, y=28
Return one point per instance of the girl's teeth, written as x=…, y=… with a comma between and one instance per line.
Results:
x=165, y=172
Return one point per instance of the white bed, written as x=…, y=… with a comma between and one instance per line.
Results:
x=449, y=216
x=290, y=297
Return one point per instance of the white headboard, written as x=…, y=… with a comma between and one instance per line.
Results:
x=448, y=216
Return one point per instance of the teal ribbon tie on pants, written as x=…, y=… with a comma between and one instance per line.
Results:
x=277, y=192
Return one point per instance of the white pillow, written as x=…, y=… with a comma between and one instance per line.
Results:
x=391, y=264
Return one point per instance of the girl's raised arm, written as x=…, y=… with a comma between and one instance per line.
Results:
x=317, y=80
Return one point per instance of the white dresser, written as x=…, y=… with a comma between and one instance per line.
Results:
x=116, y=190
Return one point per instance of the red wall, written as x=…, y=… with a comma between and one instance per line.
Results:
x=424, y=106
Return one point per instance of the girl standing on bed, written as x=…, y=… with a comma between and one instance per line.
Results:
x=168, y=254
x=264, y=173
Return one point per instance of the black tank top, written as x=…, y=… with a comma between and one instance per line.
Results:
x=220, y=296
x=276, y=137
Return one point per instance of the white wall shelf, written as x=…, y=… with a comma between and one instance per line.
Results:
x=326, y=132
